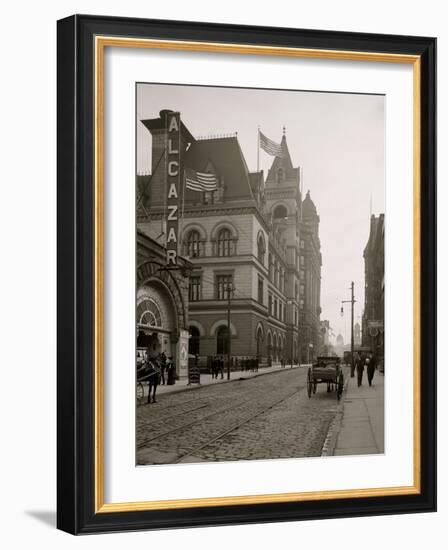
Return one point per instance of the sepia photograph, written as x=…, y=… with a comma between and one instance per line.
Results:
x=260, y=229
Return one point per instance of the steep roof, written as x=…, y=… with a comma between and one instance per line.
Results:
x=376, y=228
x=308, y=206
x=227, y=161
x=284, y=163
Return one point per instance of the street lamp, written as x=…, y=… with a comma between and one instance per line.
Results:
x=352, y=302
x=229, y=334
x=291, y=302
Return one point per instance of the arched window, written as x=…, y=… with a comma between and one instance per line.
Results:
x=222, y=340
x=148, y=313
x=193, y=342
x=280, y=212
x=259, y=342
x=225, y=243
x=280, y=175
x=261, y=249
x=194, y=244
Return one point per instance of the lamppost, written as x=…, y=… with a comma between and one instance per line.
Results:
x=352, y=343
x=229, y=334
x=290, y=303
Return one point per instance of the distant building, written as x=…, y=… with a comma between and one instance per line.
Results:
x=373, y=318
x=310, y=276
x=253, y=236
x=357, y=334
x=325, y=345
x=339, y=347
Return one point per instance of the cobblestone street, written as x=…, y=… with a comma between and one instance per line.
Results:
x=269, y=416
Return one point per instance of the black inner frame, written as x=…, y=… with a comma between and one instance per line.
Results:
x=76, y=263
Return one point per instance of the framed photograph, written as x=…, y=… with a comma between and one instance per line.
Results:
x=246, y=274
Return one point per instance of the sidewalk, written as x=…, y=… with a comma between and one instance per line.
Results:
x=362, y=424
x=207, y=380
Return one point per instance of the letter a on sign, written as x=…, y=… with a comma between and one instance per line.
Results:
x=173, y=127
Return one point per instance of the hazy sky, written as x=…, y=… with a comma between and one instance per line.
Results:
x=337, y=139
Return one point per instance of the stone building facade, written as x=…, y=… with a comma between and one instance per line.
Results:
x=252, y=236
x=373, y=318
x=161, y=304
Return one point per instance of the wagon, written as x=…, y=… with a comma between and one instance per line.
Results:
x=326, y=370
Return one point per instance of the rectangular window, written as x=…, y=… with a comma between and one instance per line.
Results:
x=280, y=311
x=302, y=290
x=302, y=261
x=194, y=289
x=302, y=303
x=260, y=290
x=270, y=304
x=275, y=307
x=302, y=275
x=302, y=243
x=224, y=284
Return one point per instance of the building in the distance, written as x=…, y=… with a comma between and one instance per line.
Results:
x=357, y=335
x=251, y=241
x=310, y=276
x=373, y=318
x=325, y=330
x=339, y=347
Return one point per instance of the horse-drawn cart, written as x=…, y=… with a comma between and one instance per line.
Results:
x=326, y=370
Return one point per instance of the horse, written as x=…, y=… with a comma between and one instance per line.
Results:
x=153, y=376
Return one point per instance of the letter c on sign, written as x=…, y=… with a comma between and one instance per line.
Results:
x=173, y=168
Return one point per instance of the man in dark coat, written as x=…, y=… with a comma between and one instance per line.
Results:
x=371, y=366
x=360, y=368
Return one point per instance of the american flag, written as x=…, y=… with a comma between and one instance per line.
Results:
x=271, y=147
x=200, y=181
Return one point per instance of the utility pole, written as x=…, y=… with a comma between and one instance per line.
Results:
x=290, y=303
x=229, y=334
x=352, y=339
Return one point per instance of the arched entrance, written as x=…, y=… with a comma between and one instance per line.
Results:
x=259, y=342
x=269, y=350
x=156, y=319
x=222, y=340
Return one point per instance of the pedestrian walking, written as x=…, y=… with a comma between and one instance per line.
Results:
x=360, y=368
x=353, y=363
x=163, y=365
x=371, y=367
x=171, y=371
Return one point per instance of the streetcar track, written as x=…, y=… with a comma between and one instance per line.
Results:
x=203, y=406
x=168, y=432
x=236, y=426
x=243, y=402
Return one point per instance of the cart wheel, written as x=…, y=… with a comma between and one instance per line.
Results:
x=140, y=392
x=340, y=385
x=309, y=383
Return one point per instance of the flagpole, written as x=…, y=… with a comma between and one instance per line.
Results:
x=301, y=192
x=258, y=149
x=184, y=190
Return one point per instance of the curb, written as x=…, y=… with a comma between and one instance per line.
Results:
x=241, y=378
x=329, y=445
